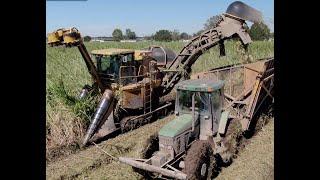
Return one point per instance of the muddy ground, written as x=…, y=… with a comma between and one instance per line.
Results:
x=256, y=160
x=93, y=163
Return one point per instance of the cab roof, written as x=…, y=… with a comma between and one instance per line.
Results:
x=203, y=85
x=140, y=54
x=111, y=51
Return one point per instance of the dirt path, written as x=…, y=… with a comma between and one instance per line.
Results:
x=92, y=163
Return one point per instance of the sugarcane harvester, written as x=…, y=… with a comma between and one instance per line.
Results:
x=200, y=126
x=154, y=77
x=125, y=78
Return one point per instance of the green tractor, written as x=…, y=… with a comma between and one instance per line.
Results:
x=212, y=114
x=187, y=143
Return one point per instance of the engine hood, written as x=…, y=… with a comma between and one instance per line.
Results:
x=176, y=126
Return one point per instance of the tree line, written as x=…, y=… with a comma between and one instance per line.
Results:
x=161, y=35
x=117, y=35
x=258, y=31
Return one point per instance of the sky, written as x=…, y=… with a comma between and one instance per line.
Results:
x=144, y=17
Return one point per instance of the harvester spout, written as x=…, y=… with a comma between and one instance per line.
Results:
x=102, y=114
x=245, y=12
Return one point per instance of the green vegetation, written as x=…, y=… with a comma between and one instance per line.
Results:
x=87, y=38
x=211, y=22
x=184, y=36
x=163, y=35
x=260, y=31
x=175, y=35
x=130, y=34
x=117, y=35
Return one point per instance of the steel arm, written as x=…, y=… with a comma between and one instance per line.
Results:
x=70, y=38
x=228, y=27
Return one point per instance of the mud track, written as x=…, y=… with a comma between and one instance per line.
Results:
x=92, y=163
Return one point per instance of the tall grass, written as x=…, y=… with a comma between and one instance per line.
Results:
x=66, y=74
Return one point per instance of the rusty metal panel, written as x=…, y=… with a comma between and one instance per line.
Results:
x=132, y=99
x=244, y=87
x=251, y=72
x=259, y=94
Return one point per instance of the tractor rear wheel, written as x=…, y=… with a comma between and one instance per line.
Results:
x=197, y=161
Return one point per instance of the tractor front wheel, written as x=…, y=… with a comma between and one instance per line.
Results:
x=197, y=161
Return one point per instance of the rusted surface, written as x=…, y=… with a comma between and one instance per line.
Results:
x=132, y=98
x=136, y=95
x=251, y=72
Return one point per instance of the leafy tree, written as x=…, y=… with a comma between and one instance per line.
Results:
x=198, y=33
x=151, y=37
x=163, y=35
x=259, y=31
x=117, y=35
x=87, y=38
x=130, y=34
x=175, y=35
x=184, y=36
x=211, y=22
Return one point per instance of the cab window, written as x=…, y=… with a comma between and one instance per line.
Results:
x=216, y=100
x=105, y=63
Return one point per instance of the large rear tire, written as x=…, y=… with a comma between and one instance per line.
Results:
x=197, y=161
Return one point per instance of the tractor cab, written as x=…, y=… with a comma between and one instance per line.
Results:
x=203, y=101
x=118, y=65
x=112, y=63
